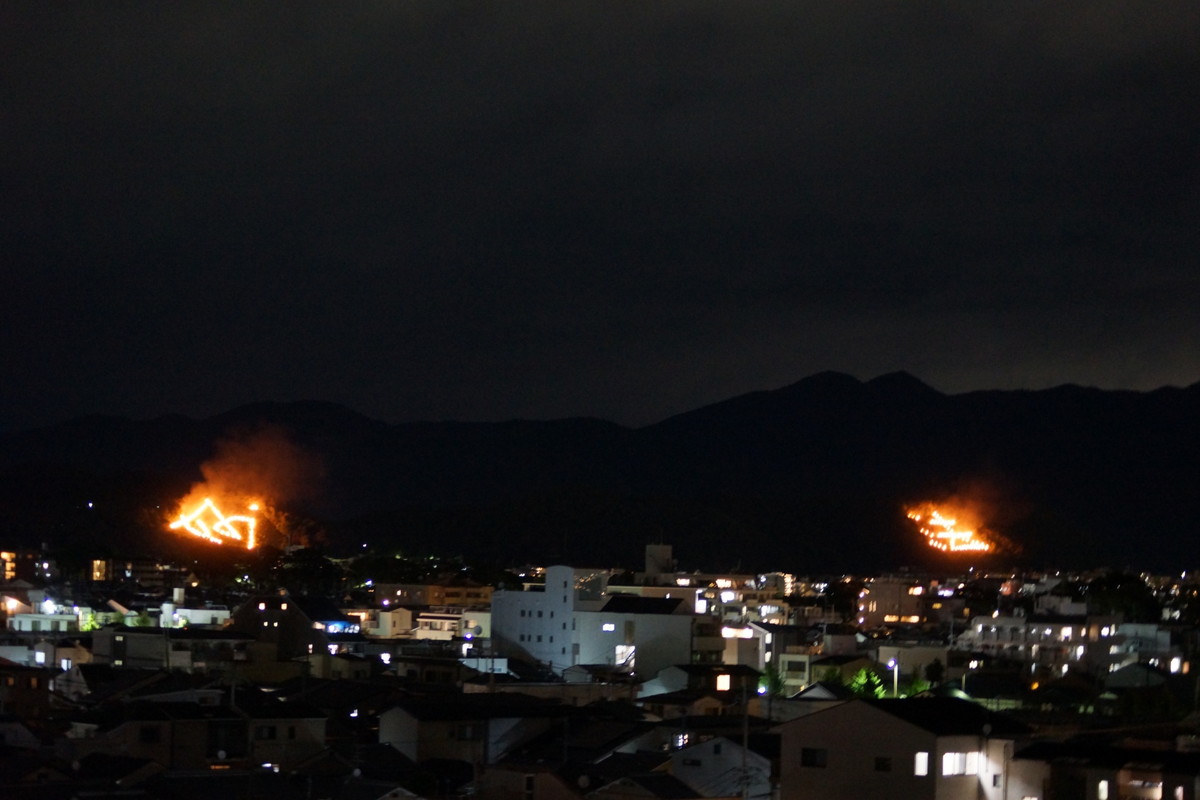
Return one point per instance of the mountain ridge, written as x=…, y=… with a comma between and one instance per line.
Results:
x=812, y=476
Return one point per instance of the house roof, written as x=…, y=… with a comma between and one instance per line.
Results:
x=183, y=634
x=607, y=671
x=839, y=660
x=731, y=725
x=950, y=716
x=686, y=697
x=479, y=706
x=340, y=695
x=740, y=670
x=660, y=784
x=320, y=609
x=632, y=604
x=1113, y=756
x=580, y=741
x=822, y=690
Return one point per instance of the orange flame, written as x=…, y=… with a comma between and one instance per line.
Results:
x=207, y=522
x=944, y=532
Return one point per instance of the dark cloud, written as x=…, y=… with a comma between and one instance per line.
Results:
x=543, y=209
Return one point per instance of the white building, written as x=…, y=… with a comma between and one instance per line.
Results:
x=1056, y=644
x=557, y=628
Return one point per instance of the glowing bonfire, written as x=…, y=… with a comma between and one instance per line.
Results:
x=944, y=531
x=208, y=522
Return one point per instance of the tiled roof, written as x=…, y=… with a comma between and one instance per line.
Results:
x=949, y=716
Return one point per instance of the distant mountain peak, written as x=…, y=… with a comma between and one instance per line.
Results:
x=822, y=384
x=901, y=382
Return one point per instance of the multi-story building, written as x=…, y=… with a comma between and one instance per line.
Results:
x=460, y=593
x=892, y=601
x=1054, y=644
x=557, y=628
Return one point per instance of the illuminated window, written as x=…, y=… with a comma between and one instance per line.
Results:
x=1102, y=790
x=608, y=627
x=960, y=763
x=724, y=682
x=921, y=764
x=626, y=655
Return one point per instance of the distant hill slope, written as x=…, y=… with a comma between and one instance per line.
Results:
x=809, y=477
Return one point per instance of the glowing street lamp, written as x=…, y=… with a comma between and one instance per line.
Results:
x=894, y=666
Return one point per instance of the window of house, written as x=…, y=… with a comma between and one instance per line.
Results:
x=466, y=732
x=264, y=732
x=539, y=614
x=1102, y=790
x=814, y=757
x=883, y=764
x=921, y=764
x=724, y=682
x=716, y=748
x=291, y=731
x=960, y=763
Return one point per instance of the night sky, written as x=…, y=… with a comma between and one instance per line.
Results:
x=479, y=211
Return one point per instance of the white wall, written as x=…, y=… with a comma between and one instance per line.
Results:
x=660, y=640
x=538, y=625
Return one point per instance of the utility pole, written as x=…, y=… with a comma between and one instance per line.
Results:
x=745, y=776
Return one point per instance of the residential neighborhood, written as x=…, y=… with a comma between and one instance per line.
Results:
x=569, y=682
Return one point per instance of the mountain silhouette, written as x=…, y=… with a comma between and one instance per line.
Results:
x=810, y=478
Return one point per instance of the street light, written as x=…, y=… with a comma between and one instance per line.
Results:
x=894, y=666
